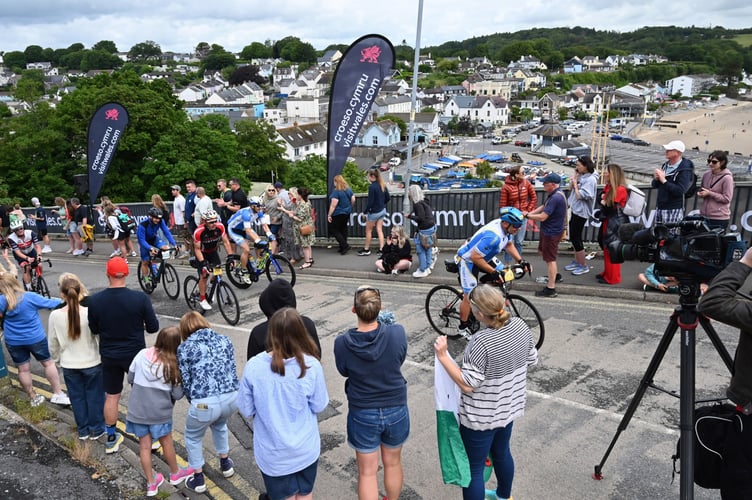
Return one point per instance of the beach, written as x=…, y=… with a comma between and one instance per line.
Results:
x=725, y=125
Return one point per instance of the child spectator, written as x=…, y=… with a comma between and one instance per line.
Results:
x=156, y=382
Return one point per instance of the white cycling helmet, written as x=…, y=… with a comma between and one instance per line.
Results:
x=255, y=200
x=209, y=215
x=16, y=224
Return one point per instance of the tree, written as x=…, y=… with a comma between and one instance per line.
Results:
x=106, y=45
x=218, y=60
x=99, y=59
x=355, y=178
x=202, y=50
x=310, y=173
x=291, y=48
x=34, y=53
x=484, y=170
x=255, y=50
x=16, y=60
x=247, y=73
x=30, y=88
x=563, y=113
x=145, y=52
x=261, y=151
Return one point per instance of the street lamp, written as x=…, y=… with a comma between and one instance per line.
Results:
x=411, y=128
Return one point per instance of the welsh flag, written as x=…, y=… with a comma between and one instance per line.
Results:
x=455, y=468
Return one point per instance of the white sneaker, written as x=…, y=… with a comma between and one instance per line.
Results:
x=465, y=333
x=47, y=249
x=246, y=278
x=433, y=262
x=78, y=252
x=115, y=253
x=133, y=254
x=60, y=399
x=435, y=251
x=205, y=305
x=422, y=274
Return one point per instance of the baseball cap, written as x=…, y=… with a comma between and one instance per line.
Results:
x=117, y=267
x=552, y=177
x=175, y=187
x=35, y=201
x=278, y=185
x=677, y=145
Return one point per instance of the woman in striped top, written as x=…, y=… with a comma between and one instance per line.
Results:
x=492, y=379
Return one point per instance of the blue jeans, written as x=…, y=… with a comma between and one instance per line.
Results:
x=86, y=393
x=204, y=413
x=424, y=254
x=478, y=445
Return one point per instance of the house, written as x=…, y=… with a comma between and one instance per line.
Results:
x=528, y=62
x=384, y=133
x=425, y=124
x=690, y=85
x=306, y=108
x=301, y=141
x=276, y=115
x=192, y=93
x=573, y=65
x=247, y=93
x=388, y=105
x=548, y=105
x=329, y=60
x=494, y=88
x=483, y=110
x=552, y=139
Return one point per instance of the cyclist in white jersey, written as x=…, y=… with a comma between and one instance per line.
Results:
x=240, y=227
x=479, y=254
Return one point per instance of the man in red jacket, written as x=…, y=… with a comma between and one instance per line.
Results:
x=518, y=192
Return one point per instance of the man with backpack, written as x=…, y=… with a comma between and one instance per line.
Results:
x=674, y=181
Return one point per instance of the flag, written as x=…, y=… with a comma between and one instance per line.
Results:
x=455, y=467
x=360, y=73
x=105, y=129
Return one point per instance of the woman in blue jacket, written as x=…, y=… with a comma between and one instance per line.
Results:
x=25, y=336
x=378, y=197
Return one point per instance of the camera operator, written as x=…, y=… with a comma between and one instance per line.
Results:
x=722, y=303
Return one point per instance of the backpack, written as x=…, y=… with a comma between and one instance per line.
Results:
x=692, y=190
x=636, y=202
x=126, y=221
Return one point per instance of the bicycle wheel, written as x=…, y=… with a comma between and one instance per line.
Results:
x=190, y=291
x=522, y=308
x=279, y=267
x=170, y=281
x=232, y=271
x=443, y=309
x=228, y=303
x=42, y=288
x=148, y=288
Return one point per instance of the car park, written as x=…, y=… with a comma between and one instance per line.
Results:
x=640, y=142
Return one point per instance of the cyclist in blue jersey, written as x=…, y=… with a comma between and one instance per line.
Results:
x=240, y=227
x=149, y=239
x=479, y=254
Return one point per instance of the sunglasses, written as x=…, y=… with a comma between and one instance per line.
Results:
x=714, y=161
x=271, y=190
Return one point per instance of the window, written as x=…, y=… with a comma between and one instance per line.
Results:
x=375, y=140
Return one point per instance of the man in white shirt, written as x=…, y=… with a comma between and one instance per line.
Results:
x=178, y=212
x=203, y=203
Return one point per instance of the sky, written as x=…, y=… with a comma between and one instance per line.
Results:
x=178, y=26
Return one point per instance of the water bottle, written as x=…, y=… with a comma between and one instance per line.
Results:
x=155, y=270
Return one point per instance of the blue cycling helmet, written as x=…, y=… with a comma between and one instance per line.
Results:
x=512, y=216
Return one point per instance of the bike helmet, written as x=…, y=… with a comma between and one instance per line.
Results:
x=512, y=216
x=209, y=215
x=155, y=212
x=255, y=200
x=16, y=224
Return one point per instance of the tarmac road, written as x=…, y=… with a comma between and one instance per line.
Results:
x=598, y=343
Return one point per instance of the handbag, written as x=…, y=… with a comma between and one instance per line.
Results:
x=306, y=229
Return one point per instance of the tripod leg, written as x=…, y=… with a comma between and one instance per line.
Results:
x=647, y=380
x=687, y=414
x=713, y=336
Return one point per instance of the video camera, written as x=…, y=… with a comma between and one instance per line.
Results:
x=686, y=250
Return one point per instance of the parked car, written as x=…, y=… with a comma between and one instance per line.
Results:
x=454, y=141
x=616, y=137
x=384, y=167
x=496, y=140
x=523, y=144
x=640, y=142
x=395, y=162
x=627, y=140
x=488, y=135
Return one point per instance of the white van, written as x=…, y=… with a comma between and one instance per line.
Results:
x=395, y=162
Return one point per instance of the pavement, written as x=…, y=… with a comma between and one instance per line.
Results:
x=98, y=472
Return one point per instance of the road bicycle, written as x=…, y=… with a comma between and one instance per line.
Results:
x=217, y=291
x=443, y=305
x=160, y=270
x=274, y=265
x=38, y=284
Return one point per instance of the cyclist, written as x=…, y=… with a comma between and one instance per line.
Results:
x=479, y=254
x=240, y=227
x=150, y=241
x=206, y=240
x=25, y=247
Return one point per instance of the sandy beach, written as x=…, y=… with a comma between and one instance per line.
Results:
x=726, y=125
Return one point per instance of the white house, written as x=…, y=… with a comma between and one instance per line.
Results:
x=484, y=110
x=302, y=141
x=193, y=93
x=306, y=108
x=690, y=85
x=384, y=133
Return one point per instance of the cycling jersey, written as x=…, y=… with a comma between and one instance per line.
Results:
x=23, y=243
x=488, y=241
x=209, y=238
x=246, y=218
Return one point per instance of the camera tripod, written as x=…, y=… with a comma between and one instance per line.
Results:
x=685, y=317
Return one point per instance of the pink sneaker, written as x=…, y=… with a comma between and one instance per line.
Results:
x=180, y=475
x=153, y=488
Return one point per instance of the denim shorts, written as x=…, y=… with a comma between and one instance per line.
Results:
x=375, y=217
x=140, y=430
x=297, y=483
x=22, y=353
x=368, y=429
